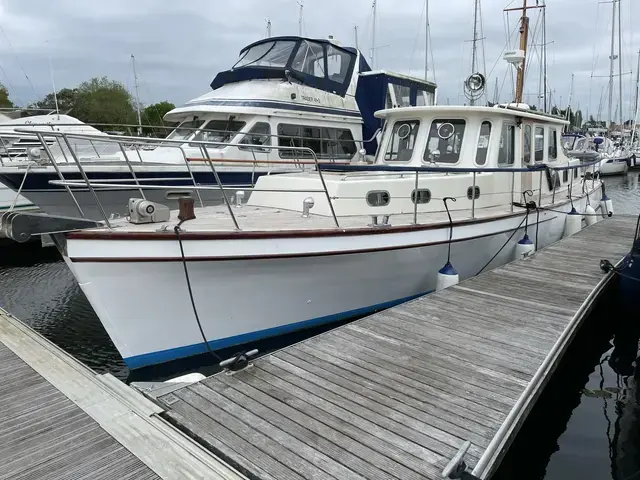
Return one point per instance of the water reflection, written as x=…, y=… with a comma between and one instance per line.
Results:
x=38, y=288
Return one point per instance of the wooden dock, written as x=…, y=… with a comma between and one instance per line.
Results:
x=396, y=394
x=60, y=420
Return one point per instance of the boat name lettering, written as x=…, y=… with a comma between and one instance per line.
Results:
x=310, y=99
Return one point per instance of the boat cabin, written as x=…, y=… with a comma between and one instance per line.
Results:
x=295, y=92
x=470, y=137
x=451, y=146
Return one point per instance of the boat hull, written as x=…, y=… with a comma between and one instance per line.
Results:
x=614, y=167
x=257, y=288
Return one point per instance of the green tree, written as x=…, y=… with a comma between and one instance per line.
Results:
x=66, y=100
x=153, y=116
x=101, y=100
x=578, y=119
x=5, y=102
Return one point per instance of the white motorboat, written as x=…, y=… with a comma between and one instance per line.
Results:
x=283, y=91
x=315, y=247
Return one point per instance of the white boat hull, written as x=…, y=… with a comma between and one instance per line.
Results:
x=614, y=167
x=249, y=289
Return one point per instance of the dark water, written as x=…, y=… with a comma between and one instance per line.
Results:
x=586, y=424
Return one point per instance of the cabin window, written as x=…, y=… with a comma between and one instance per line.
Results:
x=445, y=141
x=422, y=195
x=527, y=144
x=507, y=153
x=331, y=143
x=268, y=54
x=378, y=198
x=185, y=130
x=575, y=173
x=539, y=144
x=402, y=142
x=309, y=59
x=260, y=134
x=338, y=63
x=483, y=143
x=218, y=131
x=403, y=95
x=553, y=144
x=473, y=192
x=565, y=176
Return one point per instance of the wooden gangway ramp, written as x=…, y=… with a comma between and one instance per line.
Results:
x=395, y=395
x=60, y=420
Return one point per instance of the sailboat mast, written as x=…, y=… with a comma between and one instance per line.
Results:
x=544, y=54
x=474, y=48
x=635, y=108
x=620, y=64
x=426, y=40
x=637, y=104
x=612, y=61
x=373, y=36
x=135, y=80
x=524, y=36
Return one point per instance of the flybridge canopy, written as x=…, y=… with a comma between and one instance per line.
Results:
x=380, y=90
x=317, y=63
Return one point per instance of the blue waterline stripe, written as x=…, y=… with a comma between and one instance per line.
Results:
x=147, y=359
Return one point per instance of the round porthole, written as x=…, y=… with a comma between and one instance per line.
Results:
x=446, y=130
x=404, y=131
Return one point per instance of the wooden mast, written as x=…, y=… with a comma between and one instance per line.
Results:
x=524, y=39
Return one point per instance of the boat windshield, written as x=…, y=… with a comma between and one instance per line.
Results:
x=268, y=54
x=219, y=131
x=185, y=130
x=569, y=142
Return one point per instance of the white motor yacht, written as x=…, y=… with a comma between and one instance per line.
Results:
x=282, y=91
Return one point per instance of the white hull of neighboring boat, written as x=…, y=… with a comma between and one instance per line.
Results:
x=253, y=288
x=614, y=167
x=8, y=197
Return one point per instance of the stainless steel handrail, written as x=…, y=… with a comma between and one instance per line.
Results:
x=122, y=139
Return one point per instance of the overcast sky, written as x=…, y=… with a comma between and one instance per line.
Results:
x=179, y=46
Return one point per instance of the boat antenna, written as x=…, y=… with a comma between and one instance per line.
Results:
x=355, y=32
x=53, y=85
x=135, y=81
x=300, y=17
x=373, y=35
x=268, y=28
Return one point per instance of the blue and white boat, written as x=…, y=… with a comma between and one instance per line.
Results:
x=284, y=91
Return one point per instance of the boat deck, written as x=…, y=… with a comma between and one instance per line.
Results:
x=59, y=420
x=396, y=394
